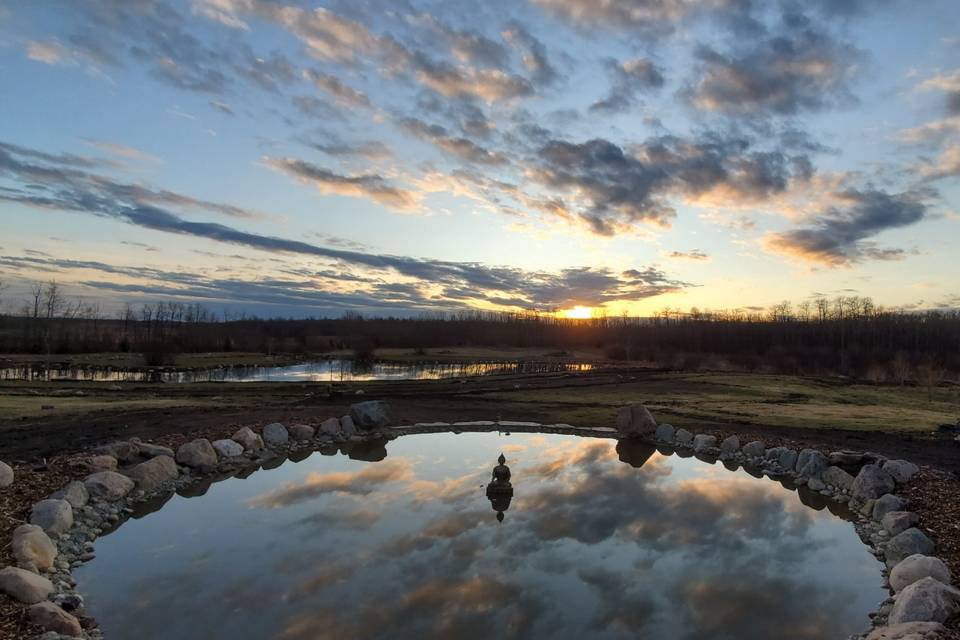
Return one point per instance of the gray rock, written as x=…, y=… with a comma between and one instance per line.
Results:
x=372, y=414
x=907, y=543
x=632, y=420
x=275, y=435
x=6, y=475
x=898, y=521
x=150, y=450
x=872, y=482
x=754, y=450
x=703, y=443
x=303, y=432
x=250, y=440
x=816, y=484
x=108, y=485
x=24, y=586
x=684, y=438
x=74, y=493
x=198, y=454
x=886, y=504
x=330, y=427
x=901, y=470
x=846, y=458
x=916, y=567
x=53, y=516
x=787, y=459
x=101, y=463
x=122, y=450
x=926, y=600
x=227, y=448
x=837, y=477
x=347, y=428
x=908, y=631
x=50, y=617
x=811, y=463
x=665, y=433
x=729, y=446
x=154, y=473
x=33, y=548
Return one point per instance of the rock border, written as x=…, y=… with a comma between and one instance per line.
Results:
x=65, y=526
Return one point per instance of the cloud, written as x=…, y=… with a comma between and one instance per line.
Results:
x=51, y=52
x=122, y=150
x=360, y=482
x=332, y=145
x=535, y=58
x=345, y=95
x=462, y=148
x=372, y=186
x=694, y=255
x=841, y=235
x=627, y=79
x=651, y=16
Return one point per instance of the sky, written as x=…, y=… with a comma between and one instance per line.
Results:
x=302, y=158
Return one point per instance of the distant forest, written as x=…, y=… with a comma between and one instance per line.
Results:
x=846, y=335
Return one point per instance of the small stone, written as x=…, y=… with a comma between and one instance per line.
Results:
x=837, y=477
x=926, y=600
x=74, y=493
x=872, y=482
x=33, y=548
x=897, y=521
x=228, y=448
x=684, y=438
x=754, y=450
x=101, y=463
x=665, y=433
x=24, y=586
x=275, y=434
x=198, y=454
x=901, y=470
x=6, y=475
x=108, y=485
x=632, y=420
x=886, y=504
x=154, y=473
x=729, y=446
x=907, y=543
x=703, y=443
x=908, y=631
x=914, y=568
x=54, y=516
x=375, y=414
x=50, y=617
x=250, y=440
x=303, y=432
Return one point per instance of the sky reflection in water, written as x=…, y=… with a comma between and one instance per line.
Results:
x=600, y=541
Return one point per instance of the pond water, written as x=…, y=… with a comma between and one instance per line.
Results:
x=319, y=371
x=600, y=540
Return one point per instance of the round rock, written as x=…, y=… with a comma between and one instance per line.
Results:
x=24, y=586
x=303, y=432
x=6, y=475
x=729, y=446
x=275, y=434
x=901, y=470
x=897, y=521
x=703, y=443
x=375, y=414
x=886, y=504
x=755, y=449
x=198, y=454
x=347, y=428
x=811, y=463
x=54, y=516
x=50, y=617
x=872, y=482
x=101, y=463
x=74, y=493
x=33, y=548
x=916, y=567
x=108, y=485
x=250, y=440
x=684, y=438
x=154, y=473
x=907, y=543
x=837, y=477
x=926, y=600
x=228, y=448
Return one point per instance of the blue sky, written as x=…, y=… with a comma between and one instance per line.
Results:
x=305, y=158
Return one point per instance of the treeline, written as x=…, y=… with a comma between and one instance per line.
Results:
x=849, y=335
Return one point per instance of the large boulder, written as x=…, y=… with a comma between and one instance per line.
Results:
x=108, y=485
x=886, y=504
x=901, y=470
x=33, y=548
x=347, y=428
x=916, y=567
x=24, y=586
x=330, y=427
x=275, y=435
x=6, y=475
x=684, y=438
x=907, y=543
x=729, y=446
x=53, y=516
x=154, y=473
x=122, y=450
x=926, y=600
x=635, y=420
x=227, y=448
x=754, y=450
x=75, y=493
x=897, y=521
x=248, y=438
x=872, y=482
x=665, y=433
x=372, y=414
x=837, y=477
x=703, y=443
x=50, y=617
x=908, y=631
x=811, y=463
x=198, y=454
x=784, y=457
x=303, y=432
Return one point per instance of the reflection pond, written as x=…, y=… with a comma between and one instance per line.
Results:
x=600, y=540
x=318, y=371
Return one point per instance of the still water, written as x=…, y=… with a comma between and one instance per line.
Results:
x=599, y=541
x=319, y=371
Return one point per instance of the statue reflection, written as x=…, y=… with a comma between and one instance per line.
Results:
x=500, y=491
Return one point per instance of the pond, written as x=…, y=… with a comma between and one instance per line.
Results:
x=600, y=540
x=318, y=371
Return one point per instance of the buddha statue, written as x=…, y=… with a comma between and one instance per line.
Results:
x=500, y=491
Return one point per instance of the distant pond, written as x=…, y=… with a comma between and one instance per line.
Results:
x=599, y=540
x=319, y=371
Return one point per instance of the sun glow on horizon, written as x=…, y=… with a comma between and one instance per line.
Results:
x=579, y=313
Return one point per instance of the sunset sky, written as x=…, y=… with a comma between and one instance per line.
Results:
x=297, y=158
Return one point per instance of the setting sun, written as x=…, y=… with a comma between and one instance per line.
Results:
x=579, y=313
